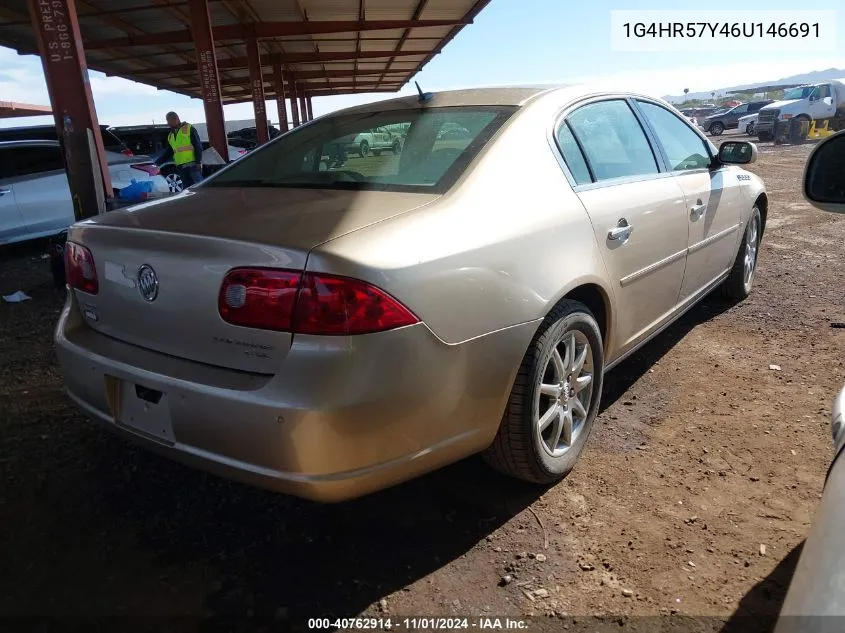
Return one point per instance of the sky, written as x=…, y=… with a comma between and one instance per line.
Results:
x=510, y=42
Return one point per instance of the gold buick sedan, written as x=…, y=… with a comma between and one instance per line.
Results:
x=326, y=324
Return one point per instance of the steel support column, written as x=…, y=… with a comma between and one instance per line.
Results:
x=209, y=79
x=309, y=108
x=66, y=72
x=256, y=82
x=302, y=107
x=281, y=106
x=294, y=102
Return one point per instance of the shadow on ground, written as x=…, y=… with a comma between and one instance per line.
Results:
x=759, y=608
x=629, y=371
x=129, y=533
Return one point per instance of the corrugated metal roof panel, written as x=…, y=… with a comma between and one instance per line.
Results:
x=102, y=21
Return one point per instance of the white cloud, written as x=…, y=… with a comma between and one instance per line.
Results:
x=102, y=86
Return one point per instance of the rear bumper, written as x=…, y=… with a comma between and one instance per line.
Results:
x=342, y=418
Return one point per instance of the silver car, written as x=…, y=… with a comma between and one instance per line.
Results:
x=329, y=332
x=35, y=198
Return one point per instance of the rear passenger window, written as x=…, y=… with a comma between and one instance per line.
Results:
x=613, y=140
x=572, y=155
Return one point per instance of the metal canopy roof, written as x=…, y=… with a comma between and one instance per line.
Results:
x=329, y=46
x=11, y=109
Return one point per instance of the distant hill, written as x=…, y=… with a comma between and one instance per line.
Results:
x=811, y=77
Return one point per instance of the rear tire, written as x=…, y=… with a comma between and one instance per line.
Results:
x=717, y=129
x=364, y=149
x=174, y=180
x=741, y=278
x=552, y=389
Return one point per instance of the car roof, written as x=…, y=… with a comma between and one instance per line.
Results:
x=28, y=142
x=514, y=96
x=52, y=126
x=498, y=96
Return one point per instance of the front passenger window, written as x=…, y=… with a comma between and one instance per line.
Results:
x=684, y=148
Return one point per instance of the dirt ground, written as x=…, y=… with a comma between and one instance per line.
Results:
x=693, y=497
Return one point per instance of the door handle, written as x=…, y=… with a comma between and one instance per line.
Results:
x=698, y=210
x=3, y=192
x=620, y=232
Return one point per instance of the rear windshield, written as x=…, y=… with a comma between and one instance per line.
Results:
x=423, y=149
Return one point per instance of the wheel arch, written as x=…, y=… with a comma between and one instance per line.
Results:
x=762, y=203
x=593, y=294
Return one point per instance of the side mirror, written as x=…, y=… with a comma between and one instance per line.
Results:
x=824, y=175
x=828, y=101
x=737, y=153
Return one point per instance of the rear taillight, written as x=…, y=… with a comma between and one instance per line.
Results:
x=80, y=271
x=127, y=152
x=308, y=303
x=148, y=168
x=259, y=298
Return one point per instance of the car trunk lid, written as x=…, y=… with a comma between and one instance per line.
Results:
x=191, y=242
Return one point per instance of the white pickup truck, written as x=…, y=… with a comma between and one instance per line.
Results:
x=823, y=101
x=375, y=141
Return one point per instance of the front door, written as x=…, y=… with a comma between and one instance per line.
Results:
x=821, y=103
x=713, y=198
x=638, y=214
x=12, y=227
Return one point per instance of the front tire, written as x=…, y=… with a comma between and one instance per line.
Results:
x=796, y=131
x=554, y=400
x=364, y=149
x=741, y=278
x=750, y=129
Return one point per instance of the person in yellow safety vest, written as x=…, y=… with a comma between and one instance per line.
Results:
x=184, y=148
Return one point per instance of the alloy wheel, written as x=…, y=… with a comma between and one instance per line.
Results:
x=174, y=182
x=564, y=394
x=751, y=243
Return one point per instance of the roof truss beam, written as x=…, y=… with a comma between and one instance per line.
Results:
x=284, y=58
x=265, y=30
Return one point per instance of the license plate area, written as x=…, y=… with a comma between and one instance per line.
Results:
x=141, y=408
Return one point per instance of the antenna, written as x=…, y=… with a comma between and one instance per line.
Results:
x=424, y=96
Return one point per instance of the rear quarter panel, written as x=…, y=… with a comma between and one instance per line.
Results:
x=501, y=248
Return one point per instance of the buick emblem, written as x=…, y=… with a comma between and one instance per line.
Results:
x=147, y=282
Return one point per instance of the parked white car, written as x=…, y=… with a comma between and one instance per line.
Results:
x=35, y=197
x=747, y=124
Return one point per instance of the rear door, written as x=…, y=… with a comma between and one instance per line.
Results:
x=12, y=228
x=713, y=197
x=638, y=213
x=41, y=189
x=732, y=119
